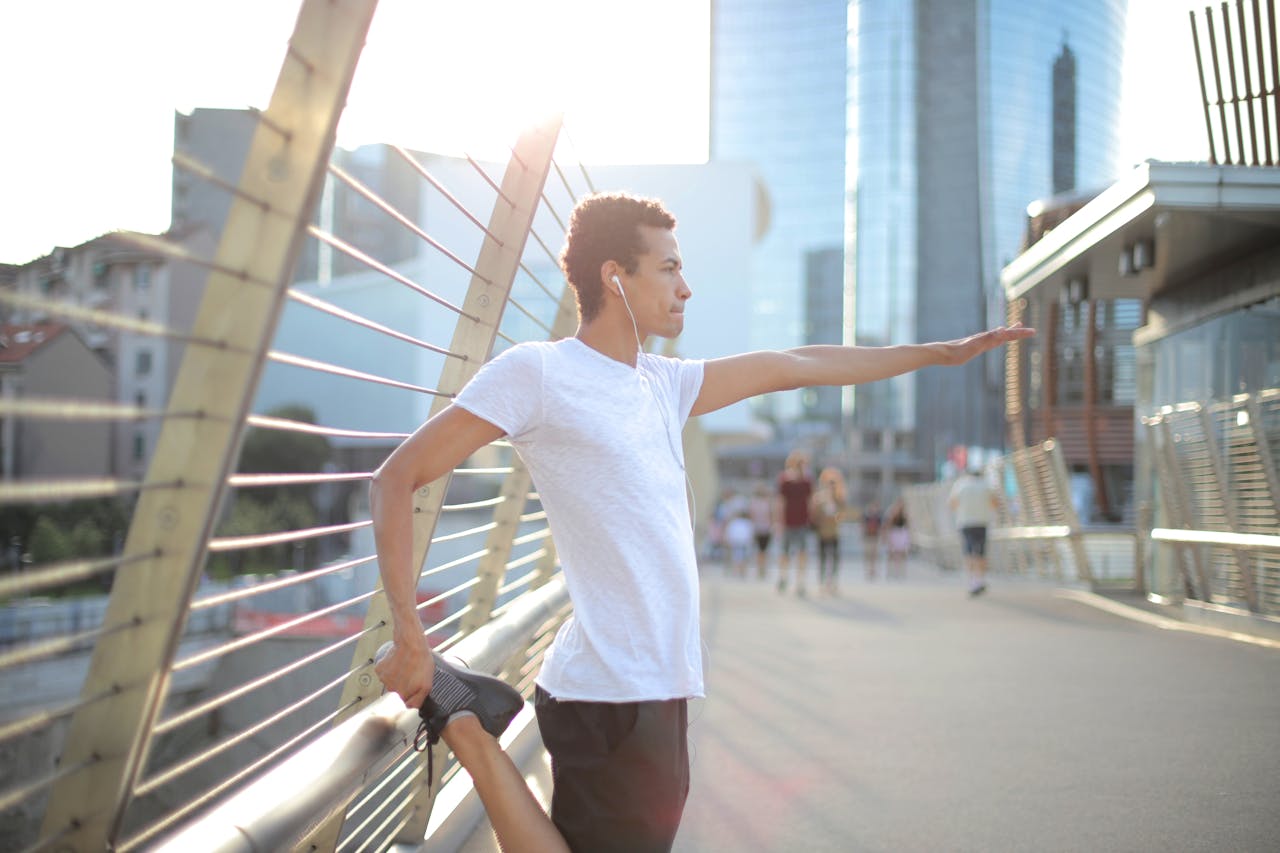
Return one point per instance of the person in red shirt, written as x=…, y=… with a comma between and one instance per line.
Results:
x=795, y=488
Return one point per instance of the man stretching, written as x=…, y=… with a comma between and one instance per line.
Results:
x=597, y=421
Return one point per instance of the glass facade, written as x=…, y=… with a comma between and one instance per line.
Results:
x=938, y=202
x=778, y=103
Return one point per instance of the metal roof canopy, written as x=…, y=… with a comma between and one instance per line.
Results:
x=1189, y=218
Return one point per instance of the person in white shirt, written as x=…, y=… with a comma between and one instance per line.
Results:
x=974, y=506
x=598, y=420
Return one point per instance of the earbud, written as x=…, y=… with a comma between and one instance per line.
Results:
x=618, y=282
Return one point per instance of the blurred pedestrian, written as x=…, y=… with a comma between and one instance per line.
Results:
x=795, y=489
x=827, y=508
x=897, y=541
x=872, y=520
x=764, y=518
x=973, y=505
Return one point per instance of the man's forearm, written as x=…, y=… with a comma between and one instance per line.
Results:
x=824, y=364
x=392, y=512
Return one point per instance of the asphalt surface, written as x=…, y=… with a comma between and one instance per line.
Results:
x=905, y=716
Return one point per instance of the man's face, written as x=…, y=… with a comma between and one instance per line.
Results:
x=657, y=291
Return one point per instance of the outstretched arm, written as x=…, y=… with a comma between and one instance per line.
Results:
x=728, y=380
x=434, y=450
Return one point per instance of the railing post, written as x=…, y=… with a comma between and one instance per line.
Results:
x=493, y=565
x=1178, y=506
x=1062, y=484
x=487, y=295
x=1240, y=557
x=108, y=739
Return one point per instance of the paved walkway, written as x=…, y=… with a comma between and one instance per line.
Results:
x=905, y=716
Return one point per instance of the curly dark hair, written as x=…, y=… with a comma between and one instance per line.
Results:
x=605, y=227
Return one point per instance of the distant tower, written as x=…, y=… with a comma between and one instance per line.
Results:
x=1064, y=120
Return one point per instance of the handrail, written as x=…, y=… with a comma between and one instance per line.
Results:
x=1217, y=537
x=306, y=789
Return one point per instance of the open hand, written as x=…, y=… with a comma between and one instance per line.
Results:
x=962, y=350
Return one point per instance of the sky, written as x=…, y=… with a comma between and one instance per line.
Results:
x=89, y=131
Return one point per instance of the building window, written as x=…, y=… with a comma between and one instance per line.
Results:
x=143, y=362
x=139, y=447
x=142, y=276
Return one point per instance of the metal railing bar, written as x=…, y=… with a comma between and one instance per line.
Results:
x=271, y=123
x=40, y=491
x=546, y=202
x=524, y=268
x=380, y=203
x=468, y=532
x=172, y=817
x=457, y=471
x=387, y=807
x=69, y=409
x=266, y=633
x=531, y=316
x=550, y=254
x=532, y=537
x=568, y=189
x=204, y=173
x=272, y=810
x=473, y=504
x=447, y=594
x=181, y=253
x=222, y=544
x=422, y=170
x=523, y=580
x=1224, y=539
x=474, y=555
x=13, y=797
x=350, y=316
x=488, y=180
x=249, y=481
x=285, y=425
x=42, y=719
x=280, y=583
x=538, y=515
x=348, y=373
x=378, y=266
x=532, y=556
x=33, y=652
x=566, y=134
x=215, y=702
x=445, y=623
x=58, y=574
x=113, y=320
x=173, y=771
x=382, y=795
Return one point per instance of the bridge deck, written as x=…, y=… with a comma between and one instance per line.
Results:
x=905, y=716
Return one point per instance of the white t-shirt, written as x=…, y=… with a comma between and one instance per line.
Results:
x=602, y=442
x=972, y=499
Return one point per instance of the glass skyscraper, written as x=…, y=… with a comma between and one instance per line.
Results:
x=778, y=102
x=951, y=117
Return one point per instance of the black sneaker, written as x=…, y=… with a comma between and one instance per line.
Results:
x=454, y=689
x=978, y=590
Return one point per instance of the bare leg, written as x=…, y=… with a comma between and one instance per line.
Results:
x=518, y=820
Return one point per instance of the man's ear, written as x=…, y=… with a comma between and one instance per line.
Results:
x=609, y=273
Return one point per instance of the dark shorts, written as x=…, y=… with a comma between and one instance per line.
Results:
x=975, y=540
x=795, y=538
x=762, y=541
x=620, y=771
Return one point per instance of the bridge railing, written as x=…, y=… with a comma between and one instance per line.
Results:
x=1216, y=526
x=1209, y=533
x=237, y=637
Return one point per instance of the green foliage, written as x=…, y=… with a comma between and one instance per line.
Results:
x=49, y=542
x=271, y=509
